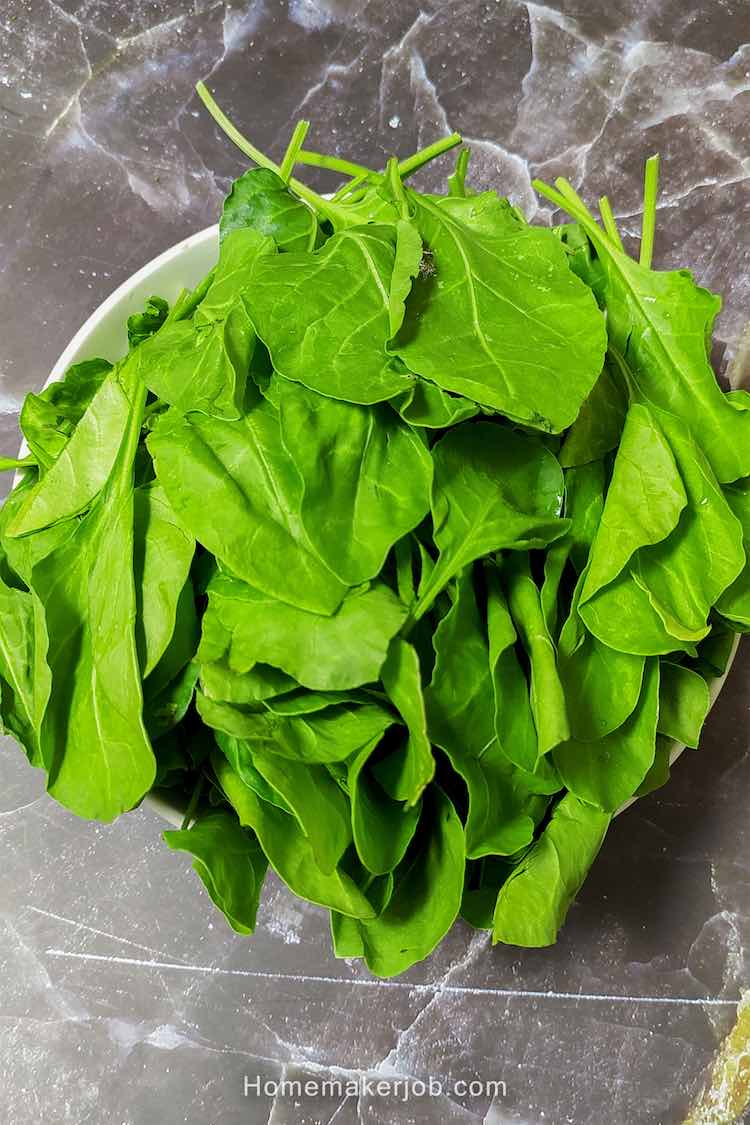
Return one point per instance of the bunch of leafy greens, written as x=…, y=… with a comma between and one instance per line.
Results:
x=398, y=551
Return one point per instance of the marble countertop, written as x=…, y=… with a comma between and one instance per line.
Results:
x=123, y=997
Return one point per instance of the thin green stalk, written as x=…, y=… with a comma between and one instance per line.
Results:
x=405, y=167
x=457, y=179
x=16, y=462
x=568, y=192
x=231, y=131
x=425, y=155
x=336, y=164
x=397, y=187
x=348, y=188
x=192, y=805
x=608, y=218
x=570, y=202
x=292, y=150
x=244, y=145
x=648, y=227
x=154, y=408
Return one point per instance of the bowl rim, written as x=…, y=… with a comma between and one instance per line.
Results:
x=162, y=801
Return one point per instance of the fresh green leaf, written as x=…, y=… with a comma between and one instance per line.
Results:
x=365, y=475
x=255, y=499
x=229, y=862
x=83, y=465
x=606, y=772
x=684, y=702
x=288, y=850
x=144, y=324
x=341, y=651
x=260, y=199
x=92, y=739
x=410, y=768
x=492, y=490
x=325, y=317
x=426, y=895
x=499, y=318
x=162, y=554
x=533, y=902
x=331, y=735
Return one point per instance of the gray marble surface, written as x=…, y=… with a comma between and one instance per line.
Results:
x=123, y=998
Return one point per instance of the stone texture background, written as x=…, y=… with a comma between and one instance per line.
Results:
x=123, y=998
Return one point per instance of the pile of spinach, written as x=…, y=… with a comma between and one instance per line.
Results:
x=398, y=550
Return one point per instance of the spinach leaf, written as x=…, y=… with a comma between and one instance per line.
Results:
x=425, y=404
x=229, y=862
x=426, y=894
x=676, y=581
x=202, y=364
x=410, y=768
x=331, y=735
x=601, y=685
x=24, y=675
x=684, y=702
x=325, y=317
x=260, y=199
x=461, y=721
x=84, y=463
x=340, y=651
x=644, y=501
x=598, y=428
x=313, y=797
x=255, y=499
x=659, y=323
x=513, y=720
x=546, y=691
x=481, y=322
x=406, y=265
x=659, y=773
x=165, y=704
x=533, y=902
x=240, y=757
x=144, y=324
x=585, y=488
x=288, y=850
x=734, y=603
x=48, y=419
x=492, y=489
x=162, y=554
x=92, y=738
x=382, y=827
x=260, y=682
x=365, y=478
x=20, y=554
x=606, y=772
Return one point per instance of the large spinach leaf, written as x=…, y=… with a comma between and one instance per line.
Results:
x=252, y=522
x=499, y=318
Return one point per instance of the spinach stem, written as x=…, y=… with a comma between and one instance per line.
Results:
x=17, y=462
x=648, y=226
x=397, y=187
x=244, y=145
x=457, y=181
x=405, y=168
x=348, y=188
x=608, y=218
x=292, y=150
x=425, y=155
x=192, y=805
x=336, y=164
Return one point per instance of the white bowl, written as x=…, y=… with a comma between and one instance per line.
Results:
x=104, y=334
